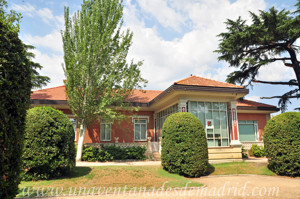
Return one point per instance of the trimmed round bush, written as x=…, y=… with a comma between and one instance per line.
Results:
x=282, y=144
x=184, y=145
x=49, y=149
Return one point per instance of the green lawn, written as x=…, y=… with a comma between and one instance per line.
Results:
x=109, y=178
x=234, y=168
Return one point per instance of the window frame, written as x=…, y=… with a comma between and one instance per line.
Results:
x=134, y=124
x=105, y=129
x=209, y=106
x=255, y=126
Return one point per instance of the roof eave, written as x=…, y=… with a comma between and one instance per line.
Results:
x=259, y=108
x=198, y=88
x=43, y=101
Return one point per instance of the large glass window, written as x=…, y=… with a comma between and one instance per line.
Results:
x=162, y=116
x=248, y=130
x=105, y=131
x=213, y=116
x=140, y=130
x=74, y=123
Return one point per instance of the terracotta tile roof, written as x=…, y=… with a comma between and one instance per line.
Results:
x=200, y=81
x=249, y=103
x=139, y=96
x=58, y=93
x=55, y=93
x=144, y=96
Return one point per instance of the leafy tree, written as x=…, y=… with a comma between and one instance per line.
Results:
x=95, y=51
x=269, y=38
x=16, y=72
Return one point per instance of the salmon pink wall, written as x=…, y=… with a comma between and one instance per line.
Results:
x=261, y=121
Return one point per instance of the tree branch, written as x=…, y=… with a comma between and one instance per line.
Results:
x=265, y=47
x=288, y=64
x=296, y=96
x=281, y=83
x=281, y=59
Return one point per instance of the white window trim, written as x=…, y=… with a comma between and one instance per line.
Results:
x=140, y=128
x=140, y=117
x=105, y=123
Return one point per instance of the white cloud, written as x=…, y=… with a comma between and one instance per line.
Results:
x=165, y=61
x=27, y=9
x=52, y=67
x=192, y=53
x=45, y=14
x=167, y=16
x=276, y=72
x=52, y=41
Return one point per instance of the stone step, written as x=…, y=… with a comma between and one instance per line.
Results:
x=224, y=156
x=225, y=153
x=156, y=156
x=224, y=150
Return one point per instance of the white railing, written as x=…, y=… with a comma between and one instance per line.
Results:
x=122, y=145
x=248, y=145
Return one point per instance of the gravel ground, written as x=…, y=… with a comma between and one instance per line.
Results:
x=225, y=187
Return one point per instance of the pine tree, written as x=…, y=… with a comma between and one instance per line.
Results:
x=269, y=38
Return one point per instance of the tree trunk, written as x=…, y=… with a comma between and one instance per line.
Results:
x=295, y=63
x=297, y=73
x=80, y=141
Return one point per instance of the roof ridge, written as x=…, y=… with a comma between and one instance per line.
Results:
x=49, y=88
x=207, y=79
x=217, y=81
x=185, y=79
x=147, y=90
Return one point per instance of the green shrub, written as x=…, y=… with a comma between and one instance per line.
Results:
x=116, y=152
x=282, y=144
x=15, y=86
x=49, y=149
x=90, y=154
x=184, y=145
x=135, y=153
x=93, y=154
x=258, y=151
x=109, y=153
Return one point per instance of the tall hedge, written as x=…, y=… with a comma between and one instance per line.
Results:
x=282, y=144
x=184, y=145
x=15, y=86
x=49, y=149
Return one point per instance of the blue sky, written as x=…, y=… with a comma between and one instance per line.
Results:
x=174, y=38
